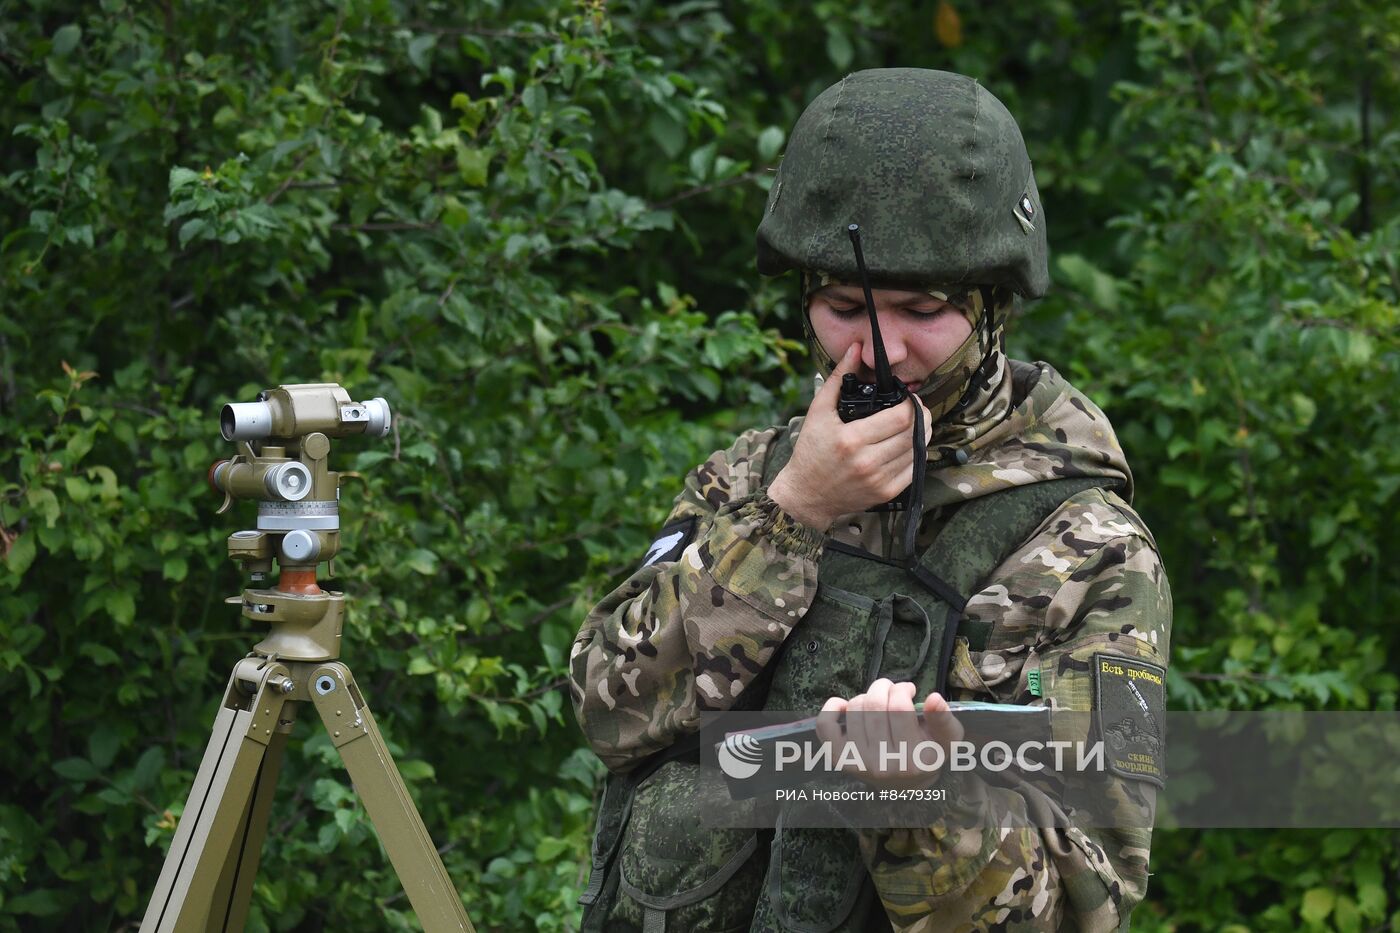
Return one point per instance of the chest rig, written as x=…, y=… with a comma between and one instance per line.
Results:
x=655, y=867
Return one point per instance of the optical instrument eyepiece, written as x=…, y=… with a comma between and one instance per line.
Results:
x=373, y=414
x=245, y=421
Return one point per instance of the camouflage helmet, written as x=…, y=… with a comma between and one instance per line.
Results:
x=933, y=168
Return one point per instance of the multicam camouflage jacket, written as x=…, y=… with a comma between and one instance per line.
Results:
x=733, y=574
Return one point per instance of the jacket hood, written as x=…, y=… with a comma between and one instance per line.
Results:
x=1035, y=427
x=1052, y=431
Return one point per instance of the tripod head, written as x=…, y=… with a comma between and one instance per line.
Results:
x=283, y=464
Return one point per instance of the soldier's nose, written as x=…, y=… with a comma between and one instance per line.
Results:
x=895, y=348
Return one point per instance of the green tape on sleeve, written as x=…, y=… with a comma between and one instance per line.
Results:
x=1033, y=681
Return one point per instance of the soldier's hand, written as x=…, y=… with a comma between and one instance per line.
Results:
x=838, y=468
x=882, y=719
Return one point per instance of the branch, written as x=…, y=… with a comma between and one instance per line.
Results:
x=11, y=392
x=538, y=691
x=1339, y=324
x=547, y=611
x=1243, y=675
x=397, y=225
x=290, y=177
x=751, y=175
x=1363, y=180
x=132, y=406
x=489, y=33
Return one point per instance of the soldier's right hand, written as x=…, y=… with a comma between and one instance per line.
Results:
x=838, y=468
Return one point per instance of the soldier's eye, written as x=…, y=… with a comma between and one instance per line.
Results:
x=847, y=310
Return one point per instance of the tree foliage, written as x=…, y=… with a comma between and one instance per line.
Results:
x=530, y=227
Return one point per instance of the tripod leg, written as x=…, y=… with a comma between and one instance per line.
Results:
x=228, y=909
x=217, y=801
x=376, y=778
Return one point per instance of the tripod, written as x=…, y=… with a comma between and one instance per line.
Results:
x=207, y=879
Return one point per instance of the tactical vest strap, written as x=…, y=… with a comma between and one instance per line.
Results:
x=938, y=587
x=898, y=608
x=974, y=539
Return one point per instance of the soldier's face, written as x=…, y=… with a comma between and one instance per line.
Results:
x=920, y=331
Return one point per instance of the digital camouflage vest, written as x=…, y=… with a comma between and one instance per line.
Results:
x=655, y=867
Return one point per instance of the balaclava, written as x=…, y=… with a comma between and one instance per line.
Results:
x=970, y=391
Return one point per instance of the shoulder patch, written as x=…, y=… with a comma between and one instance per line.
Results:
x=1129, y=706
x=671, y=540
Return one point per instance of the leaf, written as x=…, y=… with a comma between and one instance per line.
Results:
x=516, y=244
x=550, y=848
x=544, y=337
x=1081, y=274
x=418, y=49
x=44, y=902
x=423, y=561
x=770, y=143
x=1317, y=904
x=1346, y=917
x=416, y=769
x=181, y=178
x=668, y=133
x=21, y=555
x=839, y=49
x=103, y=744
x=147, y=767
x=108, y=479
x=100, y=655
x=947, y=25
x=66, y=38
x=120, y=605
x=43, y=501
x=556, y=640
x=76, y=769
x=535, y=99
x=702, y=161
x=191, y=229
x=366, y=459
x=1370, y=898
x=1359, y=349
x=1304, y=409
x=473, y=165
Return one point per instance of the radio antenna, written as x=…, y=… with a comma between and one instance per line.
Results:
x=884, y=377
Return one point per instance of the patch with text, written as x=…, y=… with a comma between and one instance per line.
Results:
x=1130, y=701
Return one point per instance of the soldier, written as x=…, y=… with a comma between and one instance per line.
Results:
x=770, y=585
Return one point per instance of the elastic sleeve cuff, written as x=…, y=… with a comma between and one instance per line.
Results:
x=787, y=534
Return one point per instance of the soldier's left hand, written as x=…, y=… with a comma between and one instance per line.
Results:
x=883, y=718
